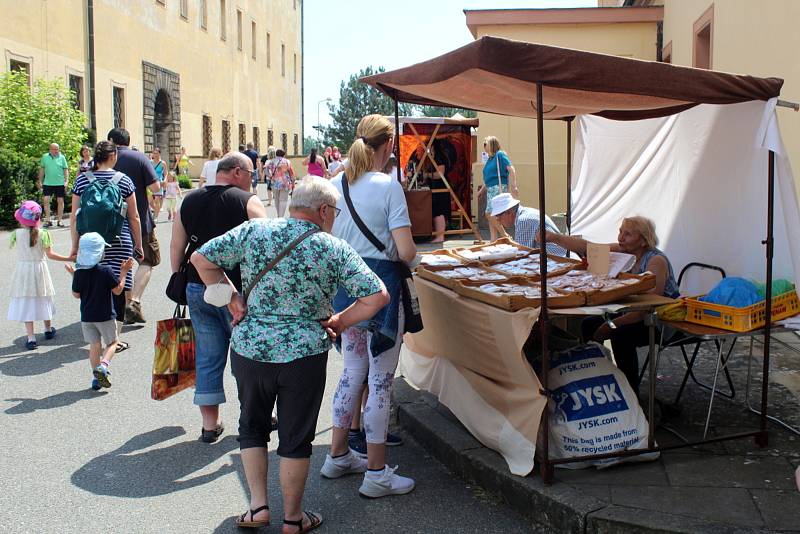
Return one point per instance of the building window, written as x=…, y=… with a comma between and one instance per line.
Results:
x=76, y=86
x=242, y=134
x=294, y=67
x=269, y=54
x=283, y=60
x=296, y=144
x=118, y=104
x=285, y=142
x=254, y=40
x=185, y=9
x=256, y=138
x=226, y=136
x=703, y=40
x=294, y=4
x=206, y=135
x=15, y=65
x=666, y=53
x=238, y=29
x=222, y=22
x=270, y=138
x=204, y=14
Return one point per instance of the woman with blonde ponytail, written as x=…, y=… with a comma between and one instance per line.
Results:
x=371, y=349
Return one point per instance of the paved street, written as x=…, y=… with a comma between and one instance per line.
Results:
x=74, y=460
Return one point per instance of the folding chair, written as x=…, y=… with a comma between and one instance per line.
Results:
x=680, y=340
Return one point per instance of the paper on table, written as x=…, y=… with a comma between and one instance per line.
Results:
x=597, y=255
x=620, y=263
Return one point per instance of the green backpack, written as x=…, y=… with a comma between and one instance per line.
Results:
x=102, y=209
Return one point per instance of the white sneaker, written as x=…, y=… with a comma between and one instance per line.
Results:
x=385, y=483
x=344, y=465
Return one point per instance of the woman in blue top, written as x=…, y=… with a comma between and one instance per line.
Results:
x=499, y=176
x=160, y=166
x=637, y=236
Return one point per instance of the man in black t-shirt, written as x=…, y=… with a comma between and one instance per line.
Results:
x=139, y=169
x=205, y=214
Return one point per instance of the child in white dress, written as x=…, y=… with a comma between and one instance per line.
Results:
x=31, y=286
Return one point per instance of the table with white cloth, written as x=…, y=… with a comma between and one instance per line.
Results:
x=470, y=355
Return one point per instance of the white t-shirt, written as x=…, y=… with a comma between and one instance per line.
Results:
x=209, y=172
x=379, y=201
x=334, y=166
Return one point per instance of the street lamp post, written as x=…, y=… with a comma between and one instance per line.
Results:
x=319, y=126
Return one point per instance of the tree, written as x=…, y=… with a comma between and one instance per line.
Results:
x=32, y=117
x=356, y=100
x=309, y=143
x=439, y=111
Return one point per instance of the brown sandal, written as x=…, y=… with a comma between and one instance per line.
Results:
x=314, y=521
x=242, y=523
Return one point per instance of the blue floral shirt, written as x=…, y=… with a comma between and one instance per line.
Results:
x=285, y=308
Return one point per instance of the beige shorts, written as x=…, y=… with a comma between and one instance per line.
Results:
x=94, y=332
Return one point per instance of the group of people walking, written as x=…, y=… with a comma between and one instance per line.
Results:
x=278, y=293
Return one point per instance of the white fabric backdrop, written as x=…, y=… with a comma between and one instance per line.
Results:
x=701, y=176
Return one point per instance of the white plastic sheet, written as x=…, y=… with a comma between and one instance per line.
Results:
x=701, y=176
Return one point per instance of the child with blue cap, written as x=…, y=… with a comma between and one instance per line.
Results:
x=94, y=284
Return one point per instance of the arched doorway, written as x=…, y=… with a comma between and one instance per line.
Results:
x=162, y=124
x=162, y=110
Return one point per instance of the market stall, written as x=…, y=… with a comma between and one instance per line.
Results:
x=436, y=155
x=529, y=80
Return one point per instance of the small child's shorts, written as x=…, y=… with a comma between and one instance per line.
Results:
x=93, y=332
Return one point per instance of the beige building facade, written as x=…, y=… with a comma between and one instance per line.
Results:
x=629, y=32
x=742, y=37
x=193, y=73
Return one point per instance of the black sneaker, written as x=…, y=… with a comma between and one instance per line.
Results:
x=50, y=334
x=358, y=443
x=393, y=440
x=210, y=436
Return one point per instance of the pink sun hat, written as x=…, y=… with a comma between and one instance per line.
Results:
x=29, y=213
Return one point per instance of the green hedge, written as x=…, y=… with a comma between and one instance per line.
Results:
x=185, y=182
x=17, y=183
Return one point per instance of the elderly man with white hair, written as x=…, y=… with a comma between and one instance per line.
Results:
x=284, y=323
x=509, y=212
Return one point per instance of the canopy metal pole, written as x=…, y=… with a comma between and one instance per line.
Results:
x=762, y=439
x=547, y=467
x=787, y=104
x=569, y=175
x=397, y=134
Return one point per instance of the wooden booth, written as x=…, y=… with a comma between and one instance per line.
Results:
x=436, y=155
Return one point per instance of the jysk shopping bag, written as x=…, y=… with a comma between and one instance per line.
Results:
x=173, y=364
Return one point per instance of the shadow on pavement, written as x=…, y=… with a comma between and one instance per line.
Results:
x=125, y=472
x=23, y=362
x=59, y=400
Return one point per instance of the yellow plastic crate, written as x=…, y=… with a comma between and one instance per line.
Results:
x=741, y=319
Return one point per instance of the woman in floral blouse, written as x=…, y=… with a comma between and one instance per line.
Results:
x=282, y=333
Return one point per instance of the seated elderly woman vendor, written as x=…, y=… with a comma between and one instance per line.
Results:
x=637, y=236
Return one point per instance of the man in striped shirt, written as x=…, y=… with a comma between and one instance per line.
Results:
x=510, y=212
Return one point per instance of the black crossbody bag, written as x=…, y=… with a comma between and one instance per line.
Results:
x=176, y=287
x=411, y=311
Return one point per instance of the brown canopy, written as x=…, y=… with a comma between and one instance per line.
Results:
x=500, y=75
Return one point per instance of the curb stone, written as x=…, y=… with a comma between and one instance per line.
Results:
x=560, y=507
